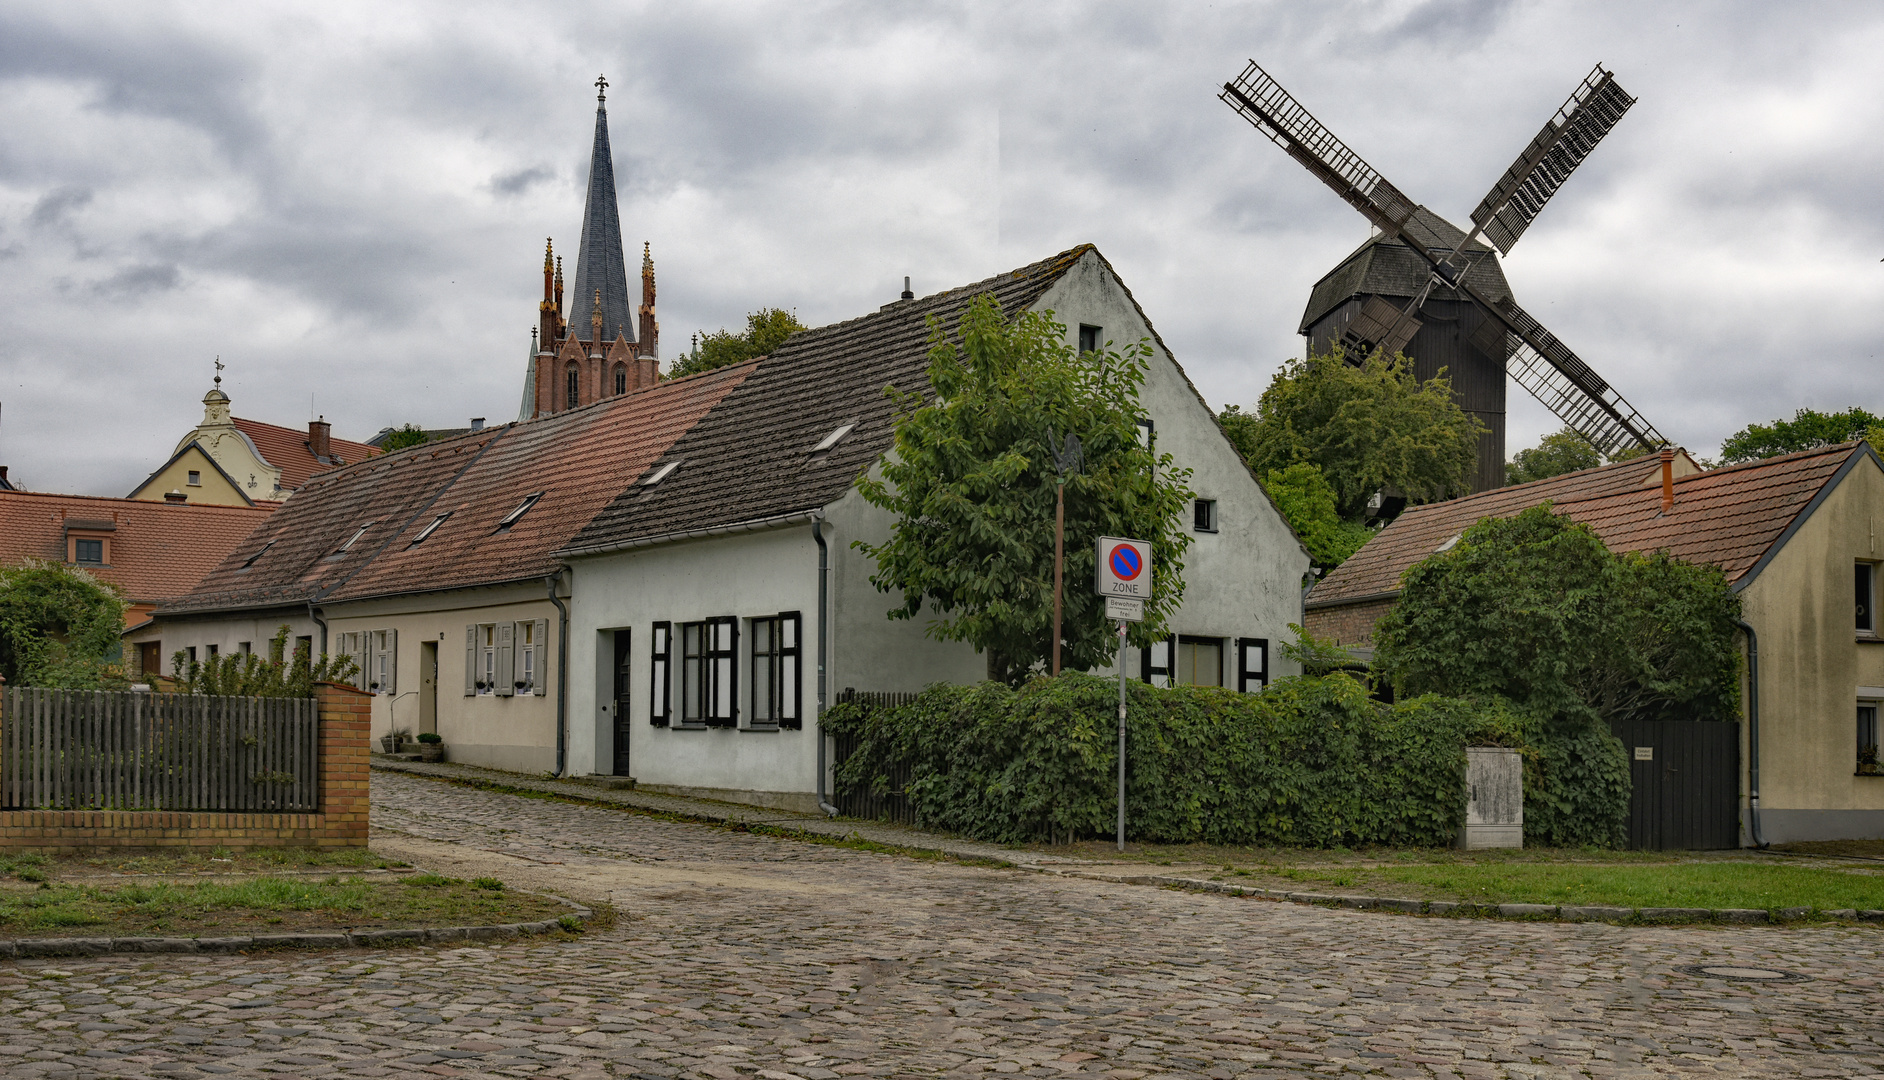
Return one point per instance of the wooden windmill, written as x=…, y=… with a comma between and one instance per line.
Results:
x=1430, y=289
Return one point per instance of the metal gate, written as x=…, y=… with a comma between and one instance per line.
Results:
x=1686, y=775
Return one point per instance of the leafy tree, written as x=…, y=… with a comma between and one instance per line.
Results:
x=766, y=330
x=249, y=675
x=1365, y=425
x=1307, y=502
x=1807, y=429
x=971, y=481
x=58, y=627
x=1562, y=452
x=408, y=435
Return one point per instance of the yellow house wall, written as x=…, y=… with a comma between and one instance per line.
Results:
x=516, y=733
x=214, y=489
x=1812, y=664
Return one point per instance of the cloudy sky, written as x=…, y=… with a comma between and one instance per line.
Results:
x=347, y=202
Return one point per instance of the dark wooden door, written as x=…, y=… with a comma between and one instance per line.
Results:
x=1686, y=783
x=622, y=699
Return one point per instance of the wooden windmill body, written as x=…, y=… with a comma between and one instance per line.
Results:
x=1425, y=287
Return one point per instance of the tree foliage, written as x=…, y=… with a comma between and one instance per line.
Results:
x=765, y=331
x=971, y=481
x=1365, y=425
x=407, y=435
x=1807, y=430
x=249, y=675
x=59, y=627
x=1307, y=502
x=1536, y=610
x=1558, y=453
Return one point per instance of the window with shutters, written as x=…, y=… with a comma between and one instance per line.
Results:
x=709, y=677
x=659, y=687
x=1252, y=664
x=485, y=658
x=775, y=672
x=1199, y=661
x=383, y=650
x=527, y=645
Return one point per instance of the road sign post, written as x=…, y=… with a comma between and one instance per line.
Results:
x=1122, y=575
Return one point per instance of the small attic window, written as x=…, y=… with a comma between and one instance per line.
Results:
x=355, y=538
x=834, y=438
x=1448, y=545
x=259, y=552
x=660, y=474
x=515, y=515
x=430, y=529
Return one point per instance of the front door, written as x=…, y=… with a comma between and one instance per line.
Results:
x=428, y=687
x=622, y=711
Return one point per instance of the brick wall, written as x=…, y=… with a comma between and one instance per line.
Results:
x=345, y=714
x=1348, y=624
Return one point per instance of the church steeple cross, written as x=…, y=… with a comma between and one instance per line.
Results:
x=601, y=88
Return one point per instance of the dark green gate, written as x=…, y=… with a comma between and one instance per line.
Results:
x=1686, y=774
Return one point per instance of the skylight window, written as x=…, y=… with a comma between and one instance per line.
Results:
x=515, y=515
x=355, y=538
x=660, y=474
x=833, y=438
x=430, y=529
x=1448, y=545
x=259, y=552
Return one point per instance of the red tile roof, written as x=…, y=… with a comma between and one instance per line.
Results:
x=580, y=460
x=159, y=550
x=1730, y=517
x=286, y=449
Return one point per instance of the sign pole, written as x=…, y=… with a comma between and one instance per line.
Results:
x=1121, y=735
x=1059, y=563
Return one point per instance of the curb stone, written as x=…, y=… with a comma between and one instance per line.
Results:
x=1525, y=911
x=1589, y=913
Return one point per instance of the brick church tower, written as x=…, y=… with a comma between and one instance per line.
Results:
x=599, y=352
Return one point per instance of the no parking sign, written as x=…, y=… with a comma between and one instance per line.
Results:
x=1123, y=568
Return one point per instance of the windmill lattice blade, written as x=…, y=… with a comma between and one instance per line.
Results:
x=1568, y=137
x=1266, y=105
x=1556, y=376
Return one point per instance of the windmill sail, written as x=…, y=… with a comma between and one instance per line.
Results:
x=1568, y=137
x=1554, y=375
x=1269, y=108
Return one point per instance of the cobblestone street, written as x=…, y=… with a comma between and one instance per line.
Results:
x=738, y=955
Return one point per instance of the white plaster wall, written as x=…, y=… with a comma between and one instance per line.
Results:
x=744, y=575
x=226, y=633
x=1245, y=580
x=518, y=732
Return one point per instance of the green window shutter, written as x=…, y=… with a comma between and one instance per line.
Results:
x=470, y=660
x=392, y=661
x=506, y=660
x=542, y=658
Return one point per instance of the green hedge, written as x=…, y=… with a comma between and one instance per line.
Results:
x=1310, y=761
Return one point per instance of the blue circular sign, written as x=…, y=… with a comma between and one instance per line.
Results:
x=1125, y=562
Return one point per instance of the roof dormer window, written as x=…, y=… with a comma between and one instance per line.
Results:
x=430, y=529
x=515, y=515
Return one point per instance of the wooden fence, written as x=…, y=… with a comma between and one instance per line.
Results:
x=891, y=804
x=99, y=750
x=1686, y=783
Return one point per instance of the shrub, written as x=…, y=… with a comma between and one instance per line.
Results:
x=59, y=627
x=249, y=675
x=1310, y=761
x=430, y=737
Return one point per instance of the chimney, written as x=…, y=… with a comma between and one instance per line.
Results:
x=175, y=496
x=907, y=295
x=320, y=438
x=477, y=423
x=1668, y=479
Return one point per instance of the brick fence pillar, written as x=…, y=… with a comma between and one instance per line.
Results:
x=345, y=719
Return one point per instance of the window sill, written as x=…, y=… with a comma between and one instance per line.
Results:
x=1870, y=639
x=762, y=729
x=1872, y=775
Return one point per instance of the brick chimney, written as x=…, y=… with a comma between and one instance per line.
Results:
x=1668, y=479
x=320, y=438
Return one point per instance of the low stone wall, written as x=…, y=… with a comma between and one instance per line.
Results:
x=345, y=716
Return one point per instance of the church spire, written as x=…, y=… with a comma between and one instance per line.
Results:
x=600, y=264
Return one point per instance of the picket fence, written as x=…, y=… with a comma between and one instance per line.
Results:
x=107, y=750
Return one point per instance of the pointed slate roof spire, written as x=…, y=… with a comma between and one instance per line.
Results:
x=600, y=266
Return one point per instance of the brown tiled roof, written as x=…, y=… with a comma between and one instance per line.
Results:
x=1731, y=517
x=579, y=460
x=751, y=458
x=286, y=449
x=159, y=550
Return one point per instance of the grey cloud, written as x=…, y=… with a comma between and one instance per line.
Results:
x=55, y=207
x=516, y=183
x=141, y=280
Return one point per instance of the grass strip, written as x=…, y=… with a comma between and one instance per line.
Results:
x=1682, y=885
x=262, y=905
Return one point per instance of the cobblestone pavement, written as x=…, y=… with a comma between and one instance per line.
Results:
x=738, y=955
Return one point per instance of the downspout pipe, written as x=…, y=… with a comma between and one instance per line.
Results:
x=1753, y=733
x=562, y=672
x=824, y=610
x=322, y=623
